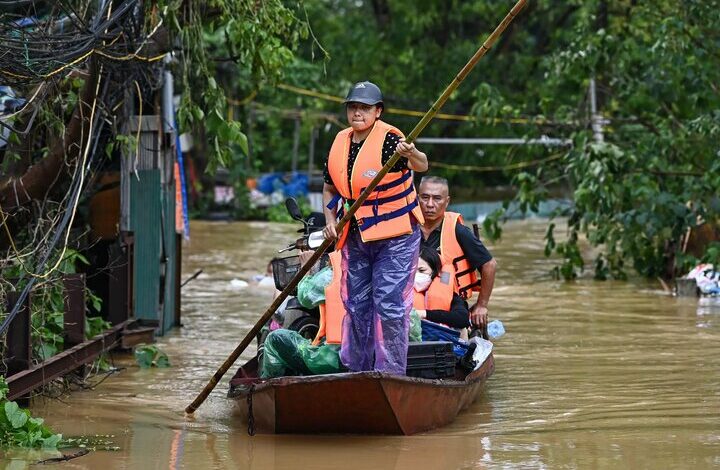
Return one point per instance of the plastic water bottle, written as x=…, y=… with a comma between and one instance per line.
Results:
x=495, y=329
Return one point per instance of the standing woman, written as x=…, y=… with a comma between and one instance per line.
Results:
x=380, y=245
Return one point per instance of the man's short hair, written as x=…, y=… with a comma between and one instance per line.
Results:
x=435, y=180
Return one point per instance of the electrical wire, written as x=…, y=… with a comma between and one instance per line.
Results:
x=512, y=166
x=40, y=49
x=409, y=112
x=65, y=223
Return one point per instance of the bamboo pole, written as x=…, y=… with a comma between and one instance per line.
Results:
x=489, y=42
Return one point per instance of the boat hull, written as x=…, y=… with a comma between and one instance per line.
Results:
x=357, y=403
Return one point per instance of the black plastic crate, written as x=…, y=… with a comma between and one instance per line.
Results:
x=431, y=360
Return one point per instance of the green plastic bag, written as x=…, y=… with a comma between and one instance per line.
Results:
x=415, y=326
x=288, y=353
x=311, y=289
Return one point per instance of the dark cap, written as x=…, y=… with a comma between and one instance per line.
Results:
x=365, y=93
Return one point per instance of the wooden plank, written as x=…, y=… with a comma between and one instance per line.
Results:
x=118, y=294
x=19, y=349
x=74, y=317
x=135, y=336
x=128, y=239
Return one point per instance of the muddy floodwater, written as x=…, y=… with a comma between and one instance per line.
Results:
x=589, y=375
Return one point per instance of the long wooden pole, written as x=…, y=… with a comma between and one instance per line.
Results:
x=489, y=42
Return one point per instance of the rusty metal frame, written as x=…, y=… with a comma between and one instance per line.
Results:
x=22, y=377
x=24, y=382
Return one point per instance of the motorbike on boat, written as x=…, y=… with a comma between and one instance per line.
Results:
x=291, y=314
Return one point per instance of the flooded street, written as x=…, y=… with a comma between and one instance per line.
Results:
x=589, y=375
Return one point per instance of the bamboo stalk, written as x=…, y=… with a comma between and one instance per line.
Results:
x=489, y=42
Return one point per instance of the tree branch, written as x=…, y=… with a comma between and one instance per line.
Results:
x=39, y=179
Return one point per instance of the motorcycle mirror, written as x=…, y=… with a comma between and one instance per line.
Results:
x=294, y=209
x=315, y=240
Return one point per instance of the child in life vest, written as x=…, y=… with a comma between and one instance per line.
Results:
x=429, y=265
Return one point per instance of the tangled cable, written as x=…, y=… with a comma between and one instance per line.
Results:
x=39, y=42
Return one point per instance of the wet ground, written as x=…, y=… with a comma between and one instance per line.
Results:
x=589, y=375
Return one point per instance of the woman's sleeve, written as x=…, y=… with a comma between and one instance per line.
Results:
x=326, y=173
x=389, y=145
x=457, y=317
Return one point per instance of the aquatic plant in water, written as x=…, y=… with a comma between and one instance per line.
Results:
x=149, y=355
x=19, y=428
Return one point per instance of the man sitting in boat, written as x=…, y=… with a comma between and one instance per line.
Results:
x=463, y=256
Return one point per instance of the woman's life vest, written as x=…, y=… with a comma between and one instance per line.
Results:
x=386, y=213
x=332, y=312
x=454, y=260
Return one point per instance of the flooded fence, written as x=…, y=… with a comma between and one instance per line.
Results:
x=23, y=376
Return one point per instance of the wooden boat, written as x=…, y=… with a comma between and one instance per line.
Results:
x=353, y=403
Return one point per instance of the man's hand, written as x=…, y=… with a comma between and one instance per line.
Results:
x=478, y=316
x=305, y=256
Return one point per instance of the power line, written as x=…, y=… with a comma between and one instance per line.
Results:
x=409, y=112
x=512, y=166
x=544, y=140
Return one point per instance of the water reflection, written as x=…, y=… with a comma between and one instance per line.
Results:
x=589, y=375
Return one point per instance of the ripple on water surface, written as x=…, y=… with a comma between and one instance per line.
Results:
x=589, y=375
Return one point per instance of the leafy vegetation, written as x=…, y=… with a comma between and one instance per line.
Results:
x=657, y=173
x=238, y=40
x=48, y=306
x=635, y=194
x=279, y=213
x=19, y=428
x=149, y=355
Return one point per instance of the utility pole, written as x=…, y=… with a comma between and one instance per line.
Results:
x=249, y=120
x=311, y=151
x=296, y=143
x=596, y=120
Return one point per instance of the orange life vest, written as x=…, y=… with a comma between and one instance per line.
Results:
x=454, y=259
x=439, y=294
x=386, y=213
x=332, y=311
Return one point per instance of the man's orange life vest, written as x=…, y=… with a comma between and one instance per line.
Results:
x=332, y=311
x=386, y=213
x=454, y=259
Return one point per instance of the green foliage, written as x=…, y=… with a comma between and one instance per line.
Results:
x=48, y=306
x=226, y=46
x=712, y=254
x=657, y=173
x=657, y=70
x=18, y=428
x=149, y=355
x=279, y=213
